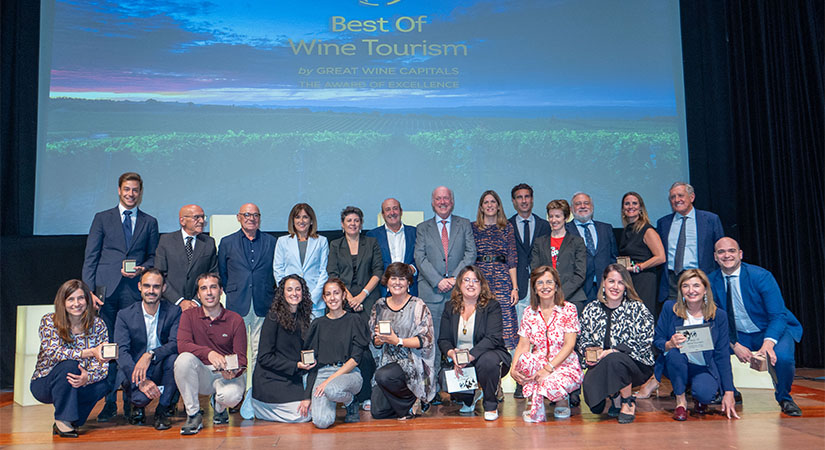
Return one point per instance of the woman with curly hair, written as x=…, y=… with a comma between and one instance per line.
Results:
x=278, y=393
x=472, y=321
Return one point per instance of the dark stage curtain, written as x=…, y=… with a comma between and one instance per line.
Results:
x=776, y=96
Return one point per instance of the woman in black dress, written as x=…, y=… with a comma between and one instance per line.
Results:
x=621, y=327
x=642, y=244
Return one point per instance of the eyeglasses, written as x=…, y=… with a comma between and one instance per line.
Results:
x=247, y=215
x=196, y=217
x=471, y=280
x=549, y=283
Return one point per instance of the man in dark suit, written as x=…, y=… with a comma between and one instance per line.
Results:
x=185, y=254
x=147, y=337
x=245, y=265
x=118, y=234
x=443, y=246
x=598, y=238
x=688, y=235
x=528, y=227
x=397, y=241
x=758, y=320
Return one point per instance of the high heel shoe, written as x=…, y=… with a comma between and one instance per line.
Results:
x=628, y=418
x=640, y=395
x=64, y=434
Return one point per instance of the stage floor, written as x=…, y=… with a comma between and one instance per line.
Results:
x=761, y=426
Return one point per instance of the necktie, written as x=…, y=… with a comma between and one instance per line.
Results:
x=731, y=318
x=444, y=242
x=679, y=261
x=189, y=249
x=526, y=236
x=127, y=227
x=588, y=239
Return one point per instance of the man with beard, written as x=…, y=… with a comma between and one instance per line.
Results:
x=598, y=238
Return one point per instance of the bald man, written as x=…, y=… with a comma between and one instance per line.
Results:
x=183, y=255
x=245, y=266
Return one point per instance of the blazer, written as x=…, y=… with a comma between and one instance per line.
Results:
x=380, y=234
x=106, y=250
x=130, y=335
x=245, y=283
x=571, y=263
x=287, y=261
x=708, y=231
x=717, y=360
x=606, y=253
x=181, y=275
x=487, y=332
x=369, y=261
x=525, y=252
x=277, y=378
x=763, y=301
x=430, y=258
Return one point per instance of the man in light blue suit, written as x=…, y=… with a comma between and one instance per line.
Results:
x=245, y=266
x=397, y=241
x=121, y=233
x=443, y=246
x=758, y=319
x=688, y=235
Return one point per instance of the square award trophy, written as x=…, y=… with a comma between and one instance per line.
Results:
x=591, y=354
x=109, y=351
x=624, y=261
x=759, y=363
x=129, y=265
x=231, y=362
x=384, y=327
x=462, y=356
x=308, y=357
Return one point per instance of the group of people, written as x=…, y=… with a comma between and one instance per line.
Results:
x=377, y=320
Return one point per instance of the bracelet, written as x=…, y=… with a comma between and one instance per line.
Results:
x=552, y=367
x=366, y=292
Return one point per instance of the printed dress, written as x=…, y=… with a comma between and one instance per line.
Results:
x=492, y=242
x=546, y=339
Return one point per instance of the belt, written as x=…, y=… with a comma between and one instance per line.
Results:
x=491, y=258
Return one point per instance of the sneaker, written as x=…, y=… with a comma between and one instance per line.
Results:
x=193, y=424
x=490, y=415
x=367, y=405
x=352, y=413
x=108, y=412
x=161, y=419
x=561, y=412
x=218, y=418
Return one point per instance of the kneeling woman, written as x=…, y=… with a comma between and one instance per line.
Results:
x=707, y=372
x=406, y=356
x=278, y=392
x=621, y=326
x=70, y=371
x=550, y=327
x=339, y=340
x=472, y=321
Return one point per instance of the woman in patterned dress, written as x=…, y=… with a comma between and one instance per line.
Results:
x=70, y=371
x=550, y=326
x=496, y=246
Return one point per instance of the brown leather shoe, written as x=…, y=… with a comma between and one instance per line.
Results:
x=680, y=414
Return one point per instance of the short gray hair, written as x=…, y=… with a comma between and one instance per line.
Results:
x=688, y=187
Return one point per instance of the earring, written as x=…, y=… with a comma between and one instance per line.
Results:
x=705, y=299
x=604, y=292
x=625, y=294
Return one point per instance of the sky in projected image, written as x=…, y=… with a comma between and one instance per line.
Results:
x=222, y=102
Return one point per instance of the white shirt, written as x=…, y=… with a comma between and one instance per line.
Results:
x=152, y=341
x=440, y=225
x=465, y=341
x=133, y=217
x=397, y=242
x=520, y=222
x=695, y=357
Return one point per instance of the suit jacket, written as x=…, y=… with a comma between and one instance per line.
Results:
x=106, y=250
x=717, y=360
x=487, y=332
x=130, y=335
x=763, y=301
x=606, y=253
x=430, y=259
x=708, y=231
x=571, y=263
x=380, y=234
x=287, y=261
x=369, y=261
x=245, y=283
x=181, y=275
x=525, y=252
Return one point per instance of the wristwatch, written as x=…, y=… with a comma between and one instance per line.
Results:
x=400, y=343
x=152, y=352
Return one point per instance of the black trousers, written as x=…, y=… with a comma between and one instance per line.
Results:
x=489, y=367
x=610, y=375
x=392, y=398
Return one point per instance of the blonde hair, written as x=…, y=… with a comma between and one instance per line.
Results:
x=708, y=307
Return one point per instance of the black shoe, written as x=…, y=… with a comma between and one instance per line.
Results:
x=162, y=421
x=353, y=415
x=574, y=398
x=137, y=416
x=108, y=412
x=519, y=393
x=193, y=424
x=737, y=397
x=64, y=434
x=172, y=411
x=627, y=418
x=613, y=411
x=790, y=408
